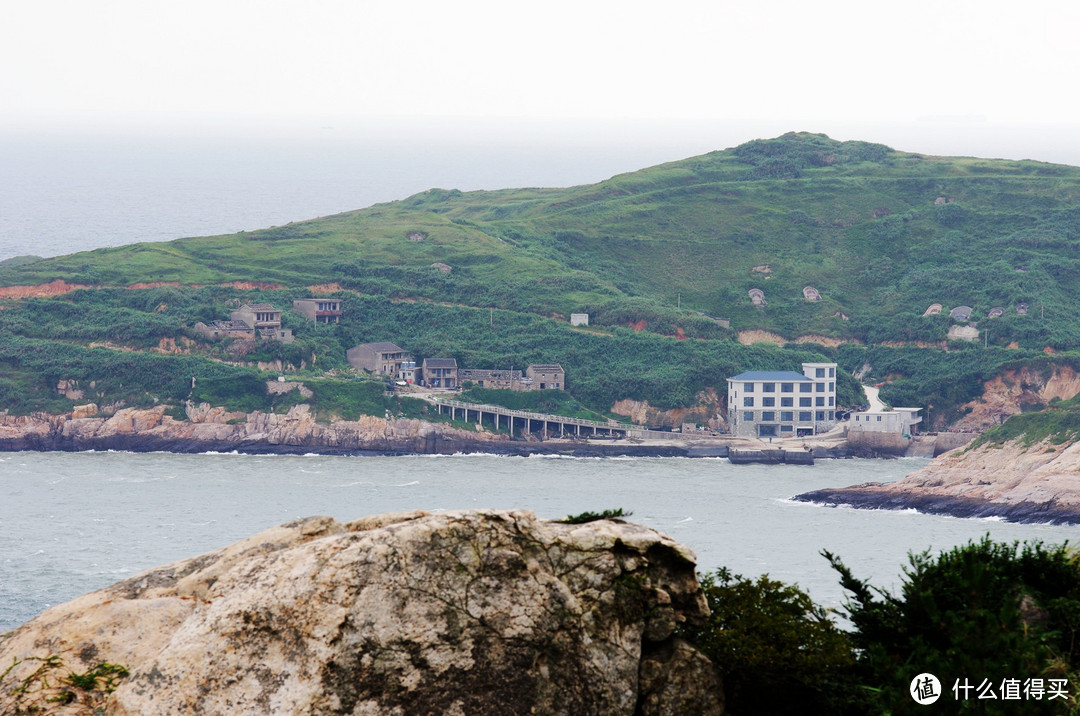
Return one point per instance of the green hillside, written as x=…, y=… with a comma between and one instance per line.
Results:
x=881, y=234
x=490, y=277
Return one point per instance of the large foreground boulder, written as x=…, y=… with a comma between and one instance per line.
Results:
x=476, y=612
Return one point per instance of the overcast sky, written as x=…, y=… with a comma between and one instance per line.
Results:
x=948, y=76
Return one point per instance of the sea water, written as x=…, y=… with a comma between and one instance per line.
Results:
x=74, y=522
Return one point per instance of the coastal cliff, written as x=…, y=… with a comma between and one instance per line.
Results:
x=471, y=612
x=1013, y=480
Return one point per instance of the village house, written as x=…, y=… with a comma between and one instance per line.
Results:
x=320, y=310
x=217, y=330
x=383, y=358
x=250, y=321
x=546, y=376
x=499, y=379
x=538, y=376
x=767, y=404
x=265, y=319
x=902, y=421
x=440, y=373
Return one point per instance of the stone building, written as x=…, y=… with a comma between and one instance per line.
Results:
x=383, y=358
x=320, y=310
x=546, y=376
x=499, y=379
x=767, y=404
x=265, y=319
x=250, y=321
x=440, y=373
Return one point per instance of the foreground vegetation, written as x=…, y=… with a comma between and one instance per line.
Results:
x=997, y=617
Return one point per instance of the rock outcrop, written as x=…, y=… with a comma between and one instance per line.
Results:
x=1017, y=391
x=215, y=429
x=1039, y=483
x=476, y=612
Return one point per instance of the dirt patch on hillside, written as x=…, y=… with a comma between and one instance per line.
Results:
x=153, y=284
x=320, y=289
x=53, y=288
x=252, y=285
x=750, y=337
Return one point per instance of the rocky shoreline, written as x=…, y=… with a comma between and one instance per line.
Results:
x=1014, y=482
x=210, y=429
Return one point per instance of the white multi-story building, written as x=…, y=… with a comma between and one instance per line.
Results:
x=783, y=403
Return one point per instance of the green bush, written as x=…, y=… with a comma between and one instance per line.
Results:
x=775, y=649
x=984, y=610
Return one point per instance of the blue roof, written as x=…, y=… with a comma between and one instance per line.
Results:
x=771, y=375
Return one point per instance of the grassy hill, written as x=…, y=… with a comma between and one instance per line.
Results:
x=881, y=234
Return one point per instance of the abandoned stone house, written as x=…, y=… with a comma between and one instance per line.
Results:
x=499, y=379
x=320, y=310
x=539, y=376
x=383, y=358
x=250, y=321
x=764, y=403
x=439, y=373
x=546, y=376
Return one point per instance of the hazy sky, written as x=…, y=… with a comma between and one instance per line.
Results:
x=983, y=77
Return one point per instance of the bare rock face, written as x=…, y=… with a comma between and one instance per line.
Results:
x=477, y=612
x=1019, y=483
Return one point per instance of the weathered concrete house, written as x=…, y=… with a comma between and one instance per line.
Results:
x=500, y=379
x=320, y=310
x=383, y=358
x=440, y=373
x=250, y=321
x=225, y=329
x=902, y=421
x=539, y=376
x=765, y=403
x=265, y=319
x=546, y=376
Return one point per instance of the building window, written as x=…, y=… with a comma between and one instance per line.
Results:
x=804, y=416
x=832, y=387
x=820, y=402
x=820, y=387
x=768, y=416
x=748, y=387
x=819, y=372
x=805, y=402
x=767, y=431
x=879, y=418
x=748, y=402
x=748, y=417
x=768, y=402
x=785, y=428
x=787, y=387
x=806, y=387
x=768, y=387
x=787, y=402
x=832, y=415
x=786, y=416
x=831, y=401
x=832, y=372
x=821, y=415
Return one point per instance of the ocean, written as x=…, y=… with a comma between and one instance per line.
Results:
x=68, y=191
x=74, y=522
